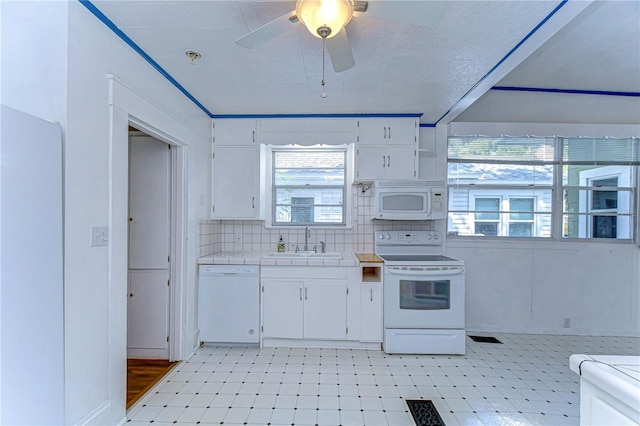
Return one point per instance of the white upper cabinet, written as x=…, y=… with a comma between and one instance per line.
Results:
x=387, y=149
x=236, y=171
x=386, y=131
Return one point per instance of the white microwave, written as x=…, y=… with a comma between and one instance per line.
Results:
x=409, y=200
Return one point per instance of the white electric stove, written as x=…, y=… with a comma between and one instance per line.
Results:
x=424, y=294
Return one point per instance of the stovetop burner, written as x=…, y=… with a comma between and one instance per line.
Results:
x=418, y=248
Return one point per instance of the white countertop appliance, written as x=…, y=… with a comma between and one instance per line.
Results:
x=229, y=304
x=424, y=294
x=409, y=200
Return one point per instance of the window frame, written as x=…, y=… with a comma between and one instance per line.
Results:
x=269, y=185
x=556, y=203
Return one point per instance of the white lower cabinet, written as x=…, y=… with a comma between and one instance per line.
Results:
x=305, y=309
x=310, y=303
x=371, y=326
x=371, y=312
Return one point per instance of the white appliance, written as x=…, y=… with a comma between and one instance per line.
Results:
x=423, y=294
x=409, y=200
x=229, y=304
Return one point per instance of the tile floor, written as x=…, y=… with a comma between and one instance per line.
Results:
x=523, y=381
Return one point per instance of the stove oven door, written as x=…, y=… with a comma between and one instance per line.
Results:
x=423, y=297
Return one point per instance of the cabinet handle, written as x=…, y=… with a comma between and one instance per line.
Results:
x=385, y=132
x=305, y=293
x=301, y=294
x=389, y=132
x=253, y=136
x=371, y=294
x=383, y=163
x=388, y=161
x=253, y=202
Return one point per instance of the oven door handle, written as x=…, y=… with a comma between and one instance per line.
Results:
x=424, y=272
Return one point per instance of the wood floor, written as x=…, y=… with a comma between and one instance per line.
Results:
x=142, y=374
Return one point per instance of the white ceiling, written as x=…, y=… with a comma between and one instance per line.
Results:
x=402, y=67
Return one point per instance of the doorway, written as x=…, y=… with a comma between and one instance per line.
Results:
x=149, y=254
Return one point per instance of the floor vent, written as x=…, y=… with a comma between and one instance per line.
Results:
x=424, y=413
x=485, y=339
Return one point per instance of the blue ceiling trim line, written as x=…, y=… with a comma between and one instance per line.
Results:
x=427, y=125
x=570, y=91
x=381, y=115
x=102, y=17
x=536, y=28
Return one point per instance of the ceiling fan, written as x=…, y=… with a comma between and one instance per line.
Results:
x=326, y=19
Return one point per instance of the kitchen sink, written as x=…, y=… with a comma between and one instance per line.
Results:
x=304, y=255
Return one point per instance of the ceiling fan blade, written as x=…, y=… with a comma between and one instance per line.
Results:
x=340, y=51
x=411, y=12
x=268, y=31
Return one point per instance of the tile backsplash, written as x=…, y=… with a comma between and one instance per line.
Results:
x=242, y=235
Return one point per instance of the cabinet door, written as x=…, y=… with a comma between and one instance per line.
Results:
x=282, y=306
x=385, y=131
x=371, y=163
x=402, y=131
x=236, y=183
x=372, y=131
x=371, y=312
x=325, y=310
x=400, y=162
x=233, y=132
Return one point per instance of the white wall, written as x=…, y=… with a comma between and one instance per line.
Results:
x=532, y=286
x=73, y=88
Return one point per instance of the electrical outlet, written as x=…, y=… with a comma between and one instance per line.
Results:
x=238, y=239
x=99, y=236
x=567, y=323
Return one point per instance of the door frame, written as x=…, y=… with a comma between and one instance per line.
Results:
x=129, y=108
x=177, y=212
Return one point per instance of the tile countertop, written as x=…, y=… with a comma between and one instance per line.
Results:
x=259, y=258
x=617, y=376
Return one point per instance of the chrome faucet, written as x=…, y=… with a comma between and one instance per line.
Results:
x=323, y=246
x=307, y=235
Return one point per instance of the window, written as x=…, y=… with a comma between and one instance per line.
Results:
x=487, y=223
x=543, y=187
x=308, y=186
x=598, y=184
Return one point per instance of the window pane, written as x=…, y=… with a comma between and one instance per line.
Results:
x=488, y=204
x=600, y=150
x=487, y=229
x=576, y=175
x=309, y=187
x=521, y=205
x=497, y=174
x=502, y=149
x=520, y=229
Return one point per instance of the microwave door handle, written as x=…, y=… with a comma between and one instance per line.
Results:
x=425, y=273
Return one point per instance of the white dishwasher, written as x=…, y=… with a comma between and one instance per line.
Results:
x=229, y=304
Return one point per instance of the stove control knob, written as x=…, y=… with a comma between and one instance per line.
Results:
x=435, y=236
x=388, y=236
x=428, y=236
x=381, y=236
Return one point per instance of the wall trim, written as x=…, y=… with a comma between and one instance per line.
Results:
x=565, y=91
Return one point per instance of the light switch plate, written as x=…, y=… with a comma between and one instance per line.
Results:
x=99, y=236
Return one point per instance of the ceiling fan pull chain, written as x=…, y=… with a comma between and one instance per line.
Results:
x=323, y=94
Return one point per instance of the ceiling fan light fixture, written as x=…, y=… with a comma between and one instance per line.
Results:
x=318, y=15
